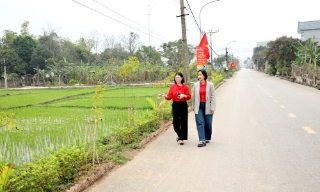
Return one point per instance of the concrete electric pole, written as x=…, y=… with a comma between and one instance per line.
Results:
x=210, y=33
x=5, y=74
x=185, y=52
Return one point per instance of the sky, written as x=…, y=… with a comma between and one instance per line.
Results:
x=241, y=23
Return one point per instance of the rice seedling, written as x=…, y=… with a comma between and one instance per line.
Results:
x=49, y=119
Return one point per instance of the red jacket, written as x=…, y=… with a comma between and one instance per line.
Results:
x=175, y=89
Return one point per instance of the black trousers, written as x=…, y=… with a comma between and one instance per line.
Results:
x=180, y=119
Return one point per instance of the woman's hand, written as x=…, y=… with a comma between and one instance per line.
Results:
x=181, y=96
x=162, y=95
x=212, y=112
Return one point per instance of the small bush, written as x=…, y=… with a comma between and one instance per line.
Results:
x=72, y=82
x=285, y=71
x=271, y=71
x=216, y=77
x=46, y=174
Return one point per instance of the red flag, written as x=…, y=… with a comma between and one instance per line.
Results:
x=232, y=65
x=204, y=45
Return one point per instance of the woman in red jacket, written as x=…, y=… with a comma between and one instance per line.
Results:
x=179, y=93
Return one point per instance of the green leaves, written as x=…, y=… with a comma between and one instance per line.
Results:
x=13, y=62
x=24, y=46
x=7, y=120
x=281, y=50
x=130, y=66
x=5, y=172
x=47, y=173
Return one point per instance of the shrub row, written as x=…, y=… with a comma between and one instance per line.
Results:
x=48, y=173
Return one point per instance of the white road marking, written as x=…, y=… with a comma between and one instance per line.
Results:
x=309, y=130
x=292, y=115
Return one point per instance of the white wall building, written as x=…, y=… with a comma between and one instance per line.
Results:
x=262, y=43
x=309, y=29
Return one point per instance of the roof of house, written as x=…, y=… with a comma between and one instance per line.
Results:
x=308, y=25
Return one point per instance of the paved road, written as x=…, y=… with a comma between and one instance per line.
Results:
x=266, y=138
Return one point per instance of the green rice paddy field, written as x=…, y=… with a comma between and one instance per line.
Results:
x=51, y=118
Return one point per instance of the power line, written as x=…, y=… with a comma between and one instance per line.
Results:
x=191, y=18
x=193, y=15
x=213, y=51
x=198, y=26
x=115, y=19
x=127, y=18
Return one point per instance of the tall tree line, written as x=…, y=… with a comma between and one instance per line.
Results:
x=50, y=56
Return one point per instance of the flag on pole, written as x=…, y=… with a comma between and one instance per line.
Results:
x=204, y=45
x=232, y=65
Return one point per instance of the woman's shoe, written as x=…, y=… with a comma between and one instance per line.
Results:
x=181, y=142
x=202, y=144
x=207, y=141
x=178, y=138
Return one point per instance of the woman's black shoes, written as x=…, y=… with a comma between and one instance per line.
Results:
x=177, y=139
x=181, y=142
x=202, y=144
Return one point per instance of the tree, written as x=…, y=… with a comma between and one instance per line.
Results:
x=259, y=56
x=52, y=42
x=220, y=60
x=69, y=51
x=38, y=58
x=280, y=54
x=150, y=54
x=173, y=52
x=282, y=49
x=109, y=42
x=96, y=39
x=24, y=46
x=14, y=64
x=7, y=39
x=129, y=67
x=83, y=49
x=24, y=28
x=130, y=42
x=117, y=52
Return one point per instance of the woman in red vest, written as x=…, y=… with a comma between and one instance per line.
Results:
x=179, y=93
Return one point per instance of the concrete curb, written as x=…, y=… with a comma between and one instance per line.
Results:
x=219, y=85
x=93, y=178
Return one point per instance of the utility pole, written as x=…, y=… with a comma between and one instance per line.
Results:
x=5, y=74
x=38, y=75
x=313, y=40
x=185, y=52
x=210, y=33
x=227, y=54
x=227, y=58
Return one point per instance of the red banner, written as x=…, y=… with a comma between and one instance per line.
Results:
x=201, y=59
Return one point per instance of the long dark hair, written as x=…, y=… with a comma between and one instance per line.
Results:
x=180, y=74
